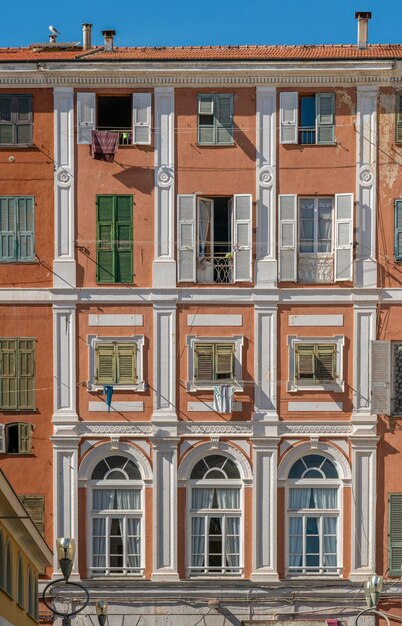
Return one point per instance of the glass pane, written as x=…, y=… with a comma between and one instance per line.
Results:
x=329, y=469
x=215, y=542
x=99, y=471
x=312, y=526
x=116, y=544
x=307, y=111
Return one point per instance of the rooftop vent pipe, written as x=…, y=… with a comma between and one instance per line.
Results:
x=86, y=36
x=363, y=18
x=108, y=36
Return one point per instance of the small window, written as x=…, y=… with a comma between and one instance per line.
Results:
x=316, y=363
x=20, y=583
x=16, y=228
x=115, y=115
x=31, y=594
x=15, y=120
x=116, y=364
x=19, y=438
x=17, y=374
x=9, y=570
x=214, y=362
x=307, y=119
x=215, y=119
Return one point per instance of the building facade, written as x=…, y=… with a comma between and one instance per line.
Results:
x=200, y=339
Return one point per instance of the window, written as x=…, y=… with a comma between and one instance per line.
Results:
x=35, y=507
x=17, y=373
x=15, y=120
x=116, y=517
x=127, y=115
x=17, y=228
x=215, y=119
x=307, y=118
x=114, y=239
x=20, y=583
x=316, y=363
x=316, y=238
x=116, y=361
x=9, y=570
x=398, y=228
x=386, y=379
x=398, y=121
x=313, y=517
x=215, y=517
x=32, y=597
x=214, y=360
x=18, y=438
x=395, y=534
x=214, y=239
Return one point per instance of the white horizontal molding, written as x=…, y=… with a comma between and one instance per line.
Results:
x=115, y=319
x=229, y=429
x=214, y=320
x=105, y=429
x=315, y=320
x=117, y=407
x=333, y=407
x=206, y=407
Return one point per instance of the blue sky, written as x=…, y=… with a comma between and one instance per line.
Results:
x=209, y=22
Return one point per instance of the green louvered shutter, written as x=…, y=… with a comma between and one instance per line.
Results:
x=8, y=217
x=25, y=438
x=8, y=374
x=126, y=364
x=395, y=534
x=325, y=363
x=23, y=119
x=224, y=361
x=203, y=362
x=6, y=124
x=304, y=363
x=105, y=364
x=35, y=507
x=206, y=119
x=325, y=117
x=124, y=239
x=398, y=124
x=105, y=240
x=26, y=374
x=398, y=230
x=224, y=119
x=25, y=228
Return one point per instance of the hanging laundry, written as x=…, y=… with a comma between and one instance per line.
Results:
x=108, y=391
x=223, y=398
x=104, y=145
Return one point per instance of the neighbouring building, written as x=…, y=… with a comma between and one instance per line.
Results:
x=201, y=339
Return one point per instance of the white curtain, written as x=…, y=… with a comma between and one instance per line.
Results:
x=133, y=544
x=312, y=498
x=233, y=541
x=204, y=221
x=330, y=543
x=202, y=498
x=103, y=499
x=228, y=498
x=128, y=499
x=99, y=542
x=198, y=542
x=295, y=542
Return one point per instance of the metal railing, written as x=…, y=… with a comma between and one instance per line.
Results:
x=125, y=135
x=218, y=268
x=307, y=135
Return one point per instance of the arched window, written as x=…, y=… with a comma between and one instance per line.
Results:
x=116, y=517
x=313, y=509
x=30, y=594
x=1, y=560
x=20, y=583
x=9, y=569
x=215, y=501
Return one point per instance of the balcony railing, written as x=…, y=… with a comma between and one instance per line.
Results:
x=125, y=135
x=217, y=268
x=307, y=135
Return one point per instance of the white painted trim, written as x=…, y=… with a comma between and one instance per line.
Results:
x=315, y=320
x=103, y=450
x=164, y=356
x=364, y=331
x=64, y=363
x=198, y=452
x=265, y=362
x=116, y=407
x=296, y=452
x=324, y=407
x=214, y=320
x=138, y=340
x=115, y=319
x=294, y=340
x=238, y=357
x=208, y=406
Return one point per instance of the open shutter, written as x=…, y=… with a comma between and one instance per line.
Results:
x=8, y=225
x=25, y=438
x=86, y=116
x=8, y=374
x=142, y=118
x=186, y=208
x=398, y=124
x=26, y=374
x=242, y=237
x=380, y=377
x=2, y=441
x=287, y=237
x=325, y=117
x=34, y=506
x=25, y=228
x=105, y=364
x=398, y=230
x=204, y=362
x=343, y=236
x=326, y=363
x=126, y=364
x=289, y=116
x=304, y=369
x=224, y=360
x=206, y=118
x=105, y=257
x=224, y=118
x=6, y=121
x=395, y=534
x=124, y=239
x=23, y=119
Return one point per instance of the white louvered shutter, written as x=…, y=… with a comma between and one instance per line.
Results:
x=288, y=237
x=2, y=439
x=289, y=116
x=343, y=236
x=186, y=244
x=325, y=117
x=242, y=237
x=380, y=377
x=142, y=118
x=86, y=116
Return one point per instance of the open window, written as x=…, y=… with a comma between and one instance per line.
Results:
x=307, y=118
x=16, y=438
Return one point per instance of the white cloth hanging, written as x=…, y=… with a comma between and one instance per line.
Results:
x=223, y=398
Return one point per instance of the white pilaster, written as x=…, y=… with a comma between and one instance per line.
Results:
x=165, y=509
x=64, y=257
x=164, y=363
x=364, y=332
x=64, y=364
x=266, y=265
x=363, y=507
x=366, y=187
x=164, y=267
x=265, y=458
x=265, y=367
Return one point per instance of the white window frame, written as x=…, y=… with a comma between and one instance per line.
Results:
x=114, y=513
x=237, y=340
x=315, y=252
x=138, y=340
x=294, y=341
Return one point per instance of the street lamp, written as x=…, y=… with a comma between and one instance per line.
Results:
x=372, y=591
x=65, y=554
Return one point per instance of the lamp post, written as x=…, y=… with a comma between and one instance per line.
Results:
x=65, y=554
x=372, y=591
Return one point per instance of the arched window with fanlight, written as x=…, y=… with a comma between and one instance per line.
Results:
x=116, y=505
x=215, y=510
x=313, y=517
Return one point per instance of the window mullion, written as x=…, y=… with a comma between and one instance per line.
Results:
x=223, y=555
x=107, y=544
x=304, y=563
x=124, y=540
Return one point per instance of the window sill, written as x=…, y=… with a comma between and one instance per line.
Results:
x=18, y=146
x=216, y=145
x=194, y=387
x=335, y=387
x=317, y=145
x=140, y=387
x=19, y=261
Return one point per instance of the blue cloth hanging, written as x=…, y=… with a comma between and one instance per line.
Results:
x=108, y=391
x=223, y=398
